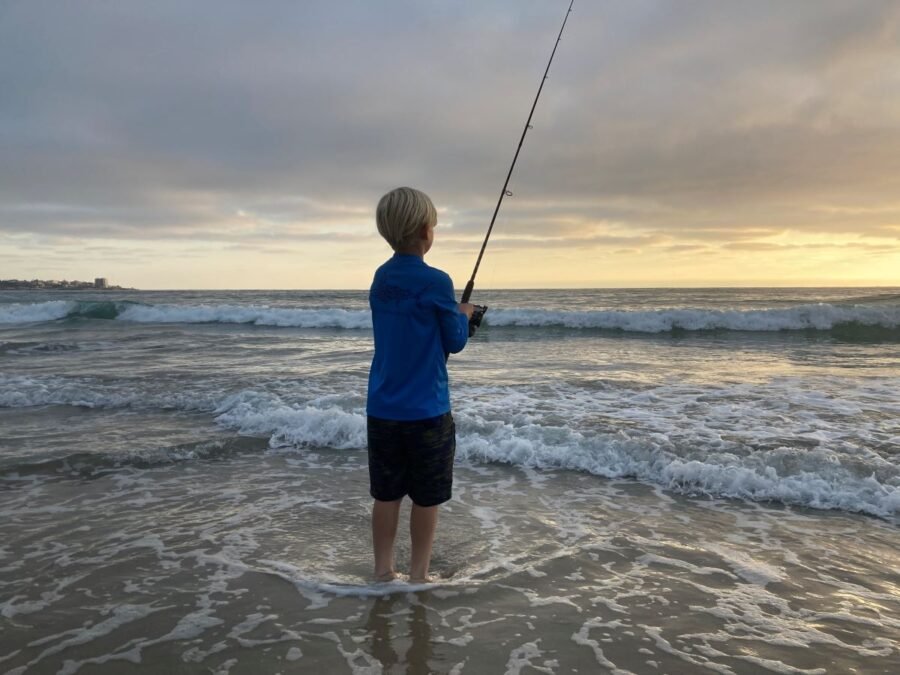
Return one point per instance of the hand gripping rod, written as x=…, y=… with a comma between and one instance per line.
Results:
x=467, y=293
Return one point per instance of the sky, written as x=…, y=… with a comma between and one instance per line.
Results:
x=217, y=144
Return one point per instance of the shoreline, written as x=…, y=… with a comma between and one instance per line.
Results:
x=266, y=568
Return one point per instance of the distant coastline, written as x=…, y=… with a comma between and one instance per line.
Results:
x=42, y=285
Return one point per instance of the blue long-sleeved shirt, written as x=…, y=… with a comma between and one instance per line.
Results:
x=417, y=323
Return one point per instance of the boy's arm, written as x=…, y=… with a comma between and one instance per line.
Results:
x=453, y=318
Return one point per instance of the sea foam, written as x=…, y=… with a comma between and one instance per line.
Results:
x=802, y=317
x=681, y=451
x=809, y=317
x=36, y=312
x=781, y=442
x=248, y=314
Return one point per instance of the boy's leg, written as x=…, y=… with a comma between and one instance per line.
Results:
x=431, y=484
x=384, y=530
x=422, y=524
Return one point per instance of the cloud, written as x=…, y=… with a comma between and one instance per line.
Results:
x=692, y=124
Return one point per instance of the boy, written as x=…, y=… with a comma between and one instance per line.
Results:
x=411, y=434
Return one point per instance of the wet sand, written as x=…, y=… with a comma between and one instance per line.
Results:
x=258, y=562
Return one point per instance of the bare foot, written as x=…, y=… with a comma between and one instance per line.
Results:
x=427, y=579
x=385, y=577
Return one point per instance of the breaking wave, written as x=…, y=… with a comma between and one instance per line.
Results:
x=55, y=310
x=822, y=317
x=685, y=452
x=883, y=319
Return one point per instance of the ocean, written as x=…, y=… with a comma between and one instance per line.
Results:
x=647, y=481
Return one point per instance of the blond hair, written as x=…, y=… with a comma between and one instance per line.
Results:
x=401, y=213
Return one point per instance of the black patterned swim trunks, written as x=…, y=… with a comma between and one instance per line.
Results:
x=412, y=458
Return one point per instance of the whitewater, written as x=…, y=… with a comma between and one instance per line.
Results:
x=795, y=401
x=820, y=316
x=649, y=453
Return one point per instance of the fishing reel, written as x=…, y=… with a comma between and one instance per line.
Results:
x=477, y=316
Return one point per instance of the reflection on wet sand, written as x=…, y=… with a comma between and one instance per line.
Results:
x=387, y=639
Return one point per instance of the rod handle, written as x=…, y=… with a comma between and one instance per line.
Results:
x=467, y=293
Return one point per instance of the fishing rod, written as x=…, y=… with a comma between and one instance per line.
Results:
x=478, y=314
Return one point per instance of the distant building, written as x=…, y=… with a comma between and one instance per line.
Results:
x=101, y=282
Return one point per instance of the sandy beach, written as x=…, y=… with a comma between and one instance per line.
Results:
x=260, y=564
